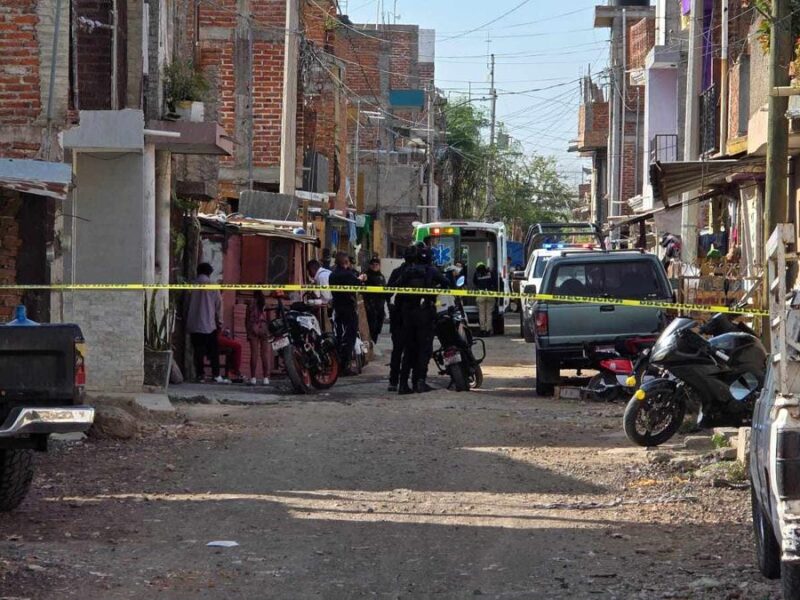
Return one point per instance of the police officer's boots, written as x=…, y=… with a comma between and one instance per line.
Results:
x=422, y=387
x=404, y=389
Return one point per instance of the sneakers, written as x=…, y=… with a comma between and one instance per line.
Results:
x=266, y=381
x=254, y=381
x=422, y=387
x=221, y=379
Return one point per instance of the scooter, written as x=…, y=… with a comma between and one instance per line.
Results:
x=620, y=369
x=308, y=354
x=455, y=356
x=722, y=375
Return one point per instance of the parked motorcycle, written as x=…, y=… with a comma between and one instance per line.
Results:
x=455, y=356
x=722, y=375
x=620, y=368
x=308, y=354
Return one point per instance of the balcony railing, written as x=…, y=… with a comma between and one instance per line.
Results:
x=664, y=148
x=709, y=121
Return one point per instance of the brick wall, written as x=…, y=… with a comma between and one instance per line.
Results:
x=593, y=125
x=642, y=37
x=10, y=244
x=19, y=75
x=94, y=56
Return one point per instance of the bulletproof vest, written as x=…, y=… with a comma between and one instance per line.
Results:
x=419, y=276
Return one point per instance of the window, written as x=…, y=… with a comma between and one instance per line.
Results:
x=637, y=280
x=280, y=261
x=541, y=263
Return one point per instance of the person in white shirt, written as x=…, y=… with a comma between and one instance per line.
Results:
x=319, y=275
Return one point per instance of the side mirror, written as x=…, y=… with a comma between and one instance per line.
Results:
x=461, y=281
x=529, y=290
x=518, y=275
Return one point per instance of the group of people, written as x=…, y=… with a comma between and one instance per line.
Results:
x=411, y=316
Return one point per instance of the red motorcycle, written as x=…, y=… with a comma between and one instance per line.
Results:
x=620, y=368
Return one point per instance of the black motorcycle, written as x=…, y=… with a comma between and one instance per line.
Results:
x=308, y=354
x=722, y=375
x=455, y=356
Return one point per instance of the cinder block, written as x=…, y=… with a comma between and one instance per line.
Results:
x=743, y=446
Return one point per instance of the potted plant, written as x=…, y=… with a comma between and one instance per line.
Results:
x=184, y=90
x=158, y=325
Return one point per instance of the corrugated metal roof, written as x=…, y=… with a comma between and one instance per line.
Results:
x=38, y=177
x=267, y=227
x=671, y=179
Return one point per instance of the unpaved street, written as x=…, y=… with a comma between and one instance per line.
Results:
x=362, y=494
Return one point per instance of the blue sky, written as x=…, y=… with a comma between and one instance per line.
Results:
x=542, y=44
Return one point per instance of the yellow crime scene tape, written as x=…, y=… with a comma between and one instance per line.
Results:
x=226, y=287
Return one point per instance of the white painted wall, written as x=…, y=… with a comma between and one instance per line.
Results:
x=661, y=117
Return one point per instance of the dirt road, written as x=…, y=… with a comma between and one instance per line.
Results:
x=363, y=494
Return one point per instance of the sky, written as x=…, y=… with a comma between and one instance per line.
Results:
x=541, y=50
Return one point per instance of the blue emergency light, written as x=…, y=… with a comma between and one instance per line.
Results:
x=553, y=246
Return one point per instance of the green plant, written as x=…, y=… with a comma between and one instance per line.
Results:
x=158, y=328
x=718, y=440
x=183, y=83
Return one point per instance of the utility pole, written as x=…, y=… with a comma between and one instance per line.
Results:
x=492, y=148
x=431, y=210
x=356, y=153
x=289, y=113
x=691, y=141
x=780, y=55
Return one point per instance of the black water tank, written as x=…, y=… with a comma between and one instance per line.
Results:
x=629, y=3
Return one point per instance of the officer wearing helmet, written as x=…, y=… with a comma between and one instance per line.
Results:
x=419, y=314
x=396, y=328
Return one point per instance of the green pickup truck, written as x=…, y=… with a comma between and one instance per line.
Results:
x=564, y=329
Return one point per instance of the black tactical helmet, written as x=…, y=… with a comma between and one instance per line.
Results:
x=410, y=253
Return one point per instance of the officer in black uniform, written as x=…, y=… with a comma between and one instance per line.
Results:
x=396, y=328
x=345, y=309
x=419, y=315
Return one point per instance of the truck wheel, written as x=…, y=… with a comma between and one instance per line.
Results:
x=498, y=324
x=790, y=580
x=16, y=474
x=768, y=553
x=547, y=373
x=527, y=334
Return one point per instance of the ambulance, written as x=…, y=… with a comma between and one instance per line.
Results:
x=471, y=242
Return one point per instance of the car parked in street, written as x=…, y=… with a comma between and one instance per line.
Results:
x=775, y=485
x=564, y=329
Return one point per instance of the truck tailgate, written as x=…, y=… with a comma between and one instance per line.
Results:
x=37, y=364
x=577, y=324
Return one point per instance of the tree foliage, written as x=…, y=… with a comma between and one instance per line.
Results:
x=528, y=188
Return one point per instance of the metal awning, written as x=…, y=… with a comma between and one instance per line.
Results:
x=38, y=177
x=645, y=216
x=671, y=179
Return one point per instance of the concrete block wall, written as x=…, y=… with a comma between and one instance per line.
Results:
x=113, y=325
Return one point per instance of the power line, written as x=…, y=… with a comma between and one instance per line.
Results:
x=495, y=20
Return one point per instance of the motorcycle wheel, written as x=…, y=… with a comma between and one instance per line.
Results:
x=476, y=378
x=327, y=376
x=298, y=374
x=458, y=377
x=654, y=420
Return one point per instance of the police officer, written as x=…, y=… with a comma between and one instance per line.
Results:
x=396, y=328
x=419, y=314
x=345, y=311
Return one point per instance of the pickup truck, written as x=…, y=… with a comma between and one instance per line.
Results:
x=42, y=377
x=564, y=329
